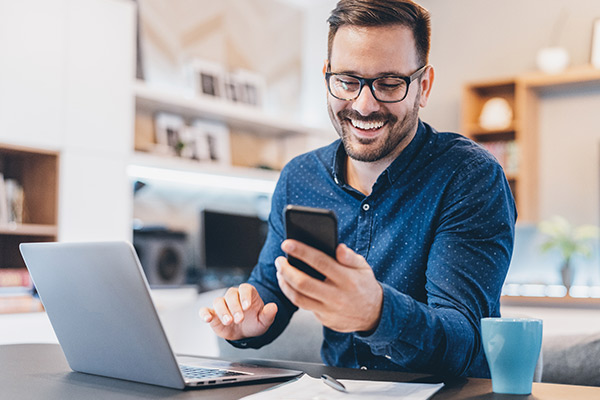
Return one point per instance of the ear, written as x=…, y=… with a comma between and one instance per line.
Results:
x=325, y=67
x=426, y=84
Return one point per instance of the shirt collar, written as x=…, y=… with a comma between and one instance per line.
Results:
x=395, y=169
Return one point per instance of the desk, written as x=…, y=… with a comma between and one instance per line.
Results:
x=40, y=371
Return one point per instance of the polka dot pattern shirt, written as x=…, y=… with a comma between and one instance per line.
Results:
x=438, y=231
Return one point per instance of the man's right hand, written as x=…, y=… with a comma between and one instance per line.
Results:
x=240, y=314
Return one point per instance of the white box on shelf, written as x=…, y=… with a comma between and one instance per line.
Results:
x=214, y=137
x=208, y=79
x=247, y=87
x=169, y=133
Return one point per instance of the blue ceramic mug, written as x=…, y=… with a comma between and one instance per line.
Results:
x=512, y=348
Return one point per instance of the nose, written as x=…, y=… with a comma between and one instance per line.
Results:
x=365, y=103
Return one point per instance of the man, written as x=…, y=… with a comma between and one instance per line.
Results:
x=426, y=219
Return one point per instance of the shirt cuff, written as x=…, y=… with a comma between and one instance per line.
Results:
x=395, y=313
x=248, y=343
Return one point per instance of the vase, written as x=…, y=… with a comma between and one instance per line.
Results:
x=566, y=273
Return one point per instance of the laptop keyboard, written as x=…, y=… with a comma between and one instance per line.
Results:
x=206, y=373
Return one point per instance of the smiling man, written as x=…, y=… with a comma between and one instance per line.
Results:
x=426, y=218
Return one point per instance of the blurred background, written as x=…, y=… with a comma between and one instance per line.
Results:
x=166, y=122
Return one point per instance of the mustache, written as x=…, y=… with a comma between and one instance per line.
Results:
x=376, y=116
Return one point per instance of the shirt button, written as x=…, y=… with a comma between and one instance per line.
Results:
x=366, y=206
x=363, y=367
x=388, y=356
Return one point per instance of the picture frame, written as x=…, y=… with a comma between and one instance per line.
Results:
x=595, y=54
x=208, y=79
x=212, y=141
x=168, y=130
x=249, y=87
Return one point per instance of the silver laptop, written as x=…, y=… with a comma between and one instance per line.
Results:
x=98, y=301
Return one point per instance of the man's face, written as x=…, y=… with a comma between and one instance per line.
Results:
x=371, y=130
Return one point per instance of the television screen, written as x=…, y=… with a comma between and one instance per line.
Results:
x=232, y=240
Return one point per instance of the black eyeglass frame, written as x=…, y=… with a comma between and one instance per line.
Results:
x=370, y=81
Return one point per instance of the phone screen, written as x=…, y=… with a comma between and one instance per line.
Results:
x=315, y=227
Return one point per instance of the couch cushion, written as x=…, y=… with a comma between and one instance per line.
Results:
x=572, y=359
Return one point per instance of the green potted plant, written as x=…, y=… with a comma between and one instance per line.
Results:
x=569, y=241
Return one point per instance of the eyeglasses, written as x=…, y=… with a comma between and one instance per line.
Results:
x=386, y=89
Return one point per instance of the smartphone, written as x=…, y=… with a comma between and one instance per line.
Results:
x=315, y=227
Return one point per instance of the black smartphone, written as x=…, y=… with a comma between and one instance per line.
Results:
x=316, y=227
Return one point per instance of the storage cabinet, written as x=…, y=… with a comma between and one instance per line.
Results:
x=501, y=141
x=36, y=171
x=517, y=144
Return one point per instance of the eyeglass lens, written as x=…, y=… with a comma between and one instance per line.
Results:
x=384, y=89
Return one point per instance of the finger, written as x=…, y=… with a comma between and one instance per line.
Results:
x=313, y=257
x=222, y=312
x=206, y=314
x=267, y=315
x=297, y=298
x=247, y=292
x=349, y=258
x=299, y=280
x=232, y=298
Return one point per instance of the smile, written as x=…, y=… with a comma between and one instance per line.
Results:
x=367, y=125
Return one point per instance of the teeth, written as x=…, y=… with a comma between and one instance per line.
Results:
x=366, y=125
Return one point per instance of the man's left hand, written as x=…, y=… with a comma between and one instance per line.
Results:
x=348, y=300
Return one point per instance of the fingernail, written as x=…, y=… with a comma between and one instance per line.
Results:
x=206, y=317
x=287, y=246
x=245, y=304
x=277, y=266
x=226, y=319
x=237, y=317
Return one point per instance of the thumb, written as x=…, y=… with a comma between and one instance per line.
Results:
x=267, y=314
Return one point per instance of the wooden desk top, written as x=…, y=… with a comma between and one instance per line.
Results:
x=40, y=371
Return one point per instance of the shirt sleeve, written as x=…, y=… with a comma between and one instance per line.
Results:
x=264, y=274
x=466, y=268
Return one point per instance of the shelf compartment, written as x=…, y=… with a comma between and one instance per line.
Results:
x=236, y=116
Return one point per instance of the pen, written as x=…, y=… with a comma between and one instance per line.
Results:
x=334, y=383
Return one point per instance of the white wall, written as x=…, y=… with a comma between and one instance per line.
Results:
x=66, y=70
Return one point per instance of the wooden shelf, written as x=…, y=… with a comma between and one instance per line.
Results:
x=522, y=93
x=573, y=77
x=223, y=175
x=237, y=116
x=29, y=230
x=478, y=130
x=566, y=301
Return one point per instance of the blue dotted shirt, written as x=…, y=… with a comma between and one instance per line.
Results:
x=438, y=231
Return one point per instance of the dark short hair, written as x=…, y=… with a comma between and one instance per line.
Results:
x=383, y=13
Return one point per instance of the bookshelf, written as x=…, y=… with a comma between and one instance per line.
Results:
x=519, y=141
x=36, y=172
x=256, y=138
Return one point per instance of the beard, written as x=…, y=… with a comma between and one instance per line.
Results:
x=367, y=149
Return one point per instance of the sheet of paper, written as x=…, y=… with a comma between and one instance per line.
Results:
x=308, y=388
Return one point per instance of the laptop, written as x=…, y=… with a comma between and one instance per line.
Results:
x=98, y=301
